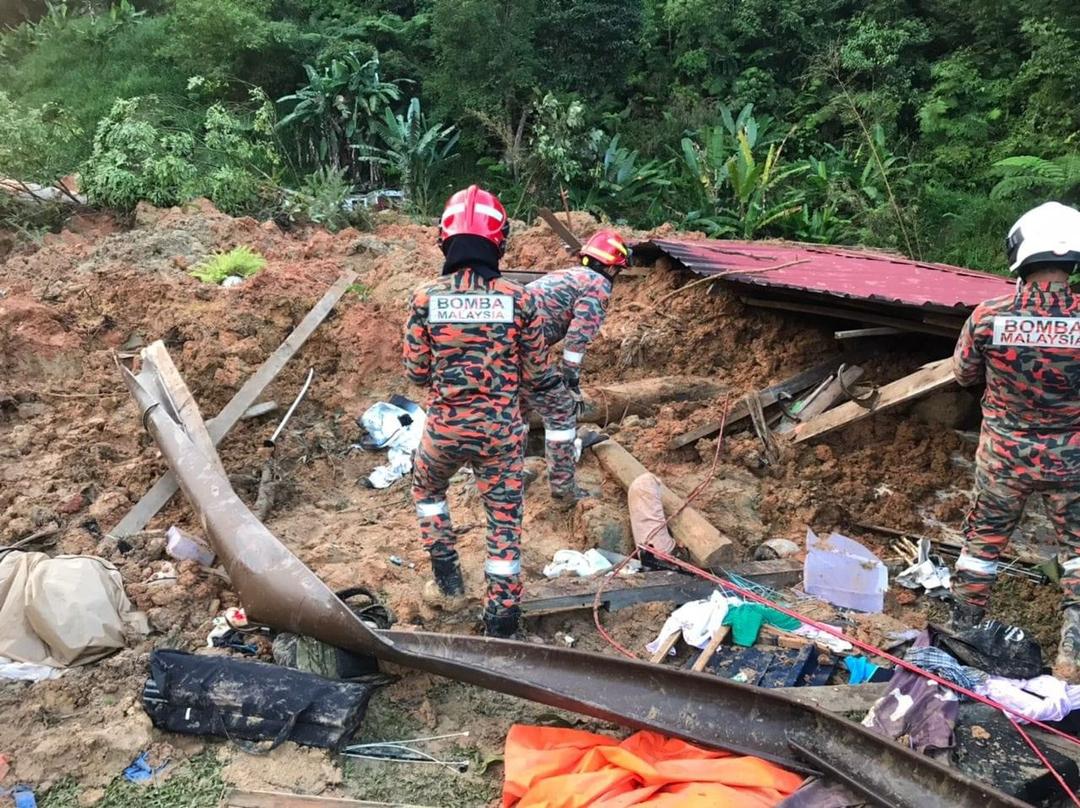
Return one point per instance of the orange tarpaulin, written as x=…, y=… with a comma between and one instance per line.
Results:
x=548, y=767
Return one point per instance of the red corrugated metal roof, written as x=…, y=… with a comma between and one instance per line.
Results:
x=834, y=272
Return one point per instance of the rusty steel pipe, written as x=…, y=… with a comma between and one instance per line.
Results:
x=277, y=589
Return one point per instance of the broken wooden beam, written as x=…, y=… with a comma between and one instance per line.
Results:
x=822, y=398
x=572, y=242
x=655, y=586
x=769, y=396
x=939, y=327
x=689, y=528
x=927, y=379
x=1010, y=556
x=162, y=491
x=610, y=403
x=239, y=798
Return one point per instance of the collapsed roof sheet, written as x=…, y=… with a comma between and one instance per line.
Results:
x=834, y=272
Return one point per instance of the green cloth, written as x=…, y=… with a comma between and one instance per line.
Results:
x=746, y=622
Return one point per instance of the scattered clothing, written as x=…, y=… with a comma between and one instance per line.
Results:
x=860, y=669
x=647, y=518
x=747, y=619
x=397, y=429
x=140, y=770
x=1029, y=441
x=844, y=573
x=63, y=611
x=698, y=621
x=550, y=767
x=1043, y=698
x=945, y=665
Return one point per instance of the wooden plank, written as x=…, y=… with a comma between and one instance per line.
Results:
x=769, y=396
x=654, y=586
x=852, y=314
x=561, y=230
x=878, y=331
x=665, y=647
x=162, y=491
x=184, y=404
x=761, y=427
x=837, y=698
x=238, y=798
x=934, y=376
x=710, y=649
x=822, y=398
x=690, y=528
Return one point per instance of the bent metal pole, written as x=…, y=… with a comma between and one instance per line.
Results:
x=277, y=589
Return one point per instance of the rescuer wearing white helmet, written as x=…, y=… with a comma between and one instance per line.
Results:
x=1026, y=347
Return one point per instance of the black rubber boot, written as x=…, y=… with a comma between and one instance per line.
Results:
x=504, y=623
x=447, y=591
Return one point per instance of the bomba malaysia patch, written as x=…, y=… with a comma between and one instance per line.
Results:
x=471, y=309
x=1037, y=332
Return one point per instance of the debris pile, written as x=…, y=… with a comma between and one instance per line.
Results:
x=730, y=427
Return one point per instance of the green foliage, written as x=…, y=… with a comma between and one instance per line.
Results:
x=414, y=151
x=32, y=142
x=240, y=261
x=337, y=110
x=323, y=198
x=1030, y=177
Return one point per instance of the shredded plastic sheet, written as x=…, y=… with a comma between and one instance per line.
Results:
x=843, y=572
x=396, y=427
x=26, y=671
x=584, y=565
x=1043, y=698
x=550, y=767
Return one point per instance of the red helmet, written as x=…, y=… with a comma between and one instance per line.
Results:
x=607, y=247
x=475, y=212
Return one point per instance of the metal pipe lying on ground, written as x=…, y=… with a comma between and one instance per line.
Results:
x=279, y=590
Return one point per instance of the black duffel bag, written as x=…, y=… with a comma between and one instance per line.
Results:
x=251, y=701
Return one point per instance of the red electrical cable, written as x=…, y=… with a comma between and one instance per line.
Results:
x=1045, y=762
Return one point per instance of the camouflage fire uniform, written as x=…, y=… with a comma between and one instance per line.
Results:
x=572, y=304
x=1027, y=348
x=474, y=342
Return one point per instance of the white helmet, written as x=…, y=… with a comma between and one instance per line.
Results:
x=1049, y=234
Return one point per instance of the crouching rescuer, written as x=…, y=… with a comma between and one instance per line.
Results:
x=1027, y=349
x=572, y=304
x=474, y=338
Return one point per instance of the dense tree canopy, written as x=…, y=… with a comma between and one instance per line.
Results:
x=923, y=126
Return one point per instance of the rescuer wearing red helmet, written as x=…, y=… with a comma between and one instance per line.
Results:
x=1026, y=348
x=474, y=339
x=572, y=304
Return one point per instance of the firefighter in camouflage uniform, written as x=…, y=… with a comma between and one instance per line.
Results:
x=1026, y=347
x=572, y=303
x=474, y=338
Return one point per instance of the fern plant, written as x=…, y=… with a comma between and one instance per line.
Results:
x=1027, y=174
x=240, y=261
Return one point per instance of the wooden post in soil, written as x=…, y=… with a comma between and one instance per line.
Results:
x=708, y=546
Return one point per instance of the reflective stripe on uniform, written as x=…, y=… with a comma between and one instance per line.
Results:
x=1071, y=564
x=573, y=357
x=425, y=509
x=968, y=563
x=559, y=435
x=502, y=567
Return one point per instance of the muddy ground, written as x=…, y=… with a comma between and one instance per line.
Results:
x=72, y=452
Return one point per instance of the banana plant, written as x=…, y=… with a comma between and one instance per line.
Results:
x=414, y=151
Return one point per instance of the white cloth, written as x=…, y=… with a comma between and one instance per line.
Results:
x=383, y=422
x=26, y=671
x=698, y=621
x=584, y=565
x=1043, y=698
